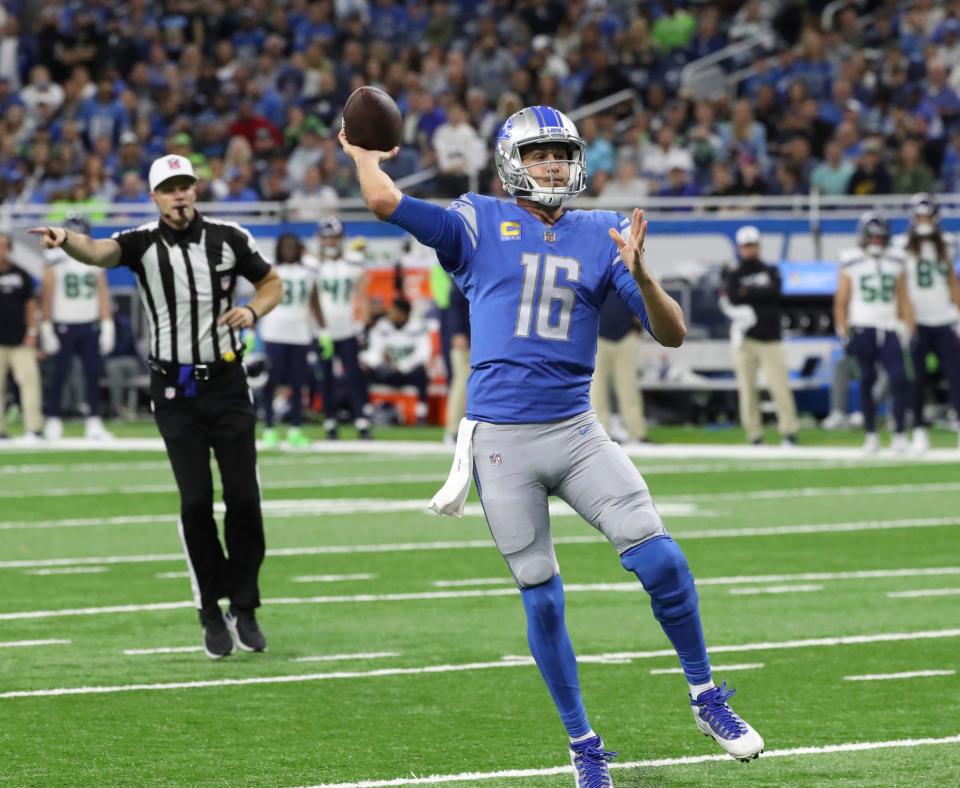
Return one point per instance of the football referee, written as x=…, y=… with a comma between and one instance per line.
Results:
x=187, y=267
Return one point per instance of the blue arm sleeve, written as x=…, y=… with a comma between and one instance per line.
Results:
x=629, y=291
x=446, y=230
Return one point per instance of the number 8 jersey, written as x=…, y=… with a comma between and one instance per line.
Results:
x=75, y=297
x=928, y=282
x=535, y=292
x=873, y=292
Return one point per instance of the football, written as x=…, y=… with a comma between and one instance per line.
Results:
x=371, y=119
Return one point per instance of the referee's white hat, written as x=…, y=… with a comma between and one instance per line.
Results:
x=167, y=167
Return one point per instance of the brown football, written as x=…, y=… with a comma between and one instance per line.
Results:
x=371, y=119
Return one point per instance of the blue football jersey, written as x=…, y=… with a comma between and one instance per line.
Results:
x=535, y=292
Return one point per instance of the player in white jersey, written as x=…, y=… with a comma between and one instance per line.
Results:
x=932, y=282
x=77, y=321
x=870, y=303
x=288, y=333
x=399, y=352
x=343, y=299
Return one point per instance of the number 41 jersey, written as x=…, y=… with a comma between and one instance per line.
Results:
x=535, y=292
x=74, y=289
x=873, y=292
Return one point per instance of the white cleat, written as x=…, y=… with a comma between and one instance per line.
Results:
x=899, y=444
x=921, y=440
x=53, y=429
x=872, y=443
x=718, y=721
x=94, y=430
x=836, y=420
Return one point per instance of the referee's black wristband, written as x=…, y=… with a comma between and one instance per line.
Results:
x=253, y=312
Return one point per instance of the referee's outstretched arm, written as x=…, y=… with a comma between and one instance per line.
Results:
x=104, y=253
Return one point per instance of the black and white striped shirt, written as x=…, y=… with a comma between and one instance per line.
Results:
x=187, y=280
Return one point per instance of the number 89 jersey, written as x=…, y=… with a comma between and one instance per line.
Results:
x=535, y=292
x=75, y=297
x=928, y=282
x=873, y=292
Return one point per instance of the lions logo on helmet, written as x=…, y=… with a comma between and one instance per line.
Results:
x=535, y=126
x=874, y=233
x=924, y=215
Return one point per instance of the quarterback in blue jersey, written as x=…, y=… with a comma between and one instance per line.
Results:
x=535, y=275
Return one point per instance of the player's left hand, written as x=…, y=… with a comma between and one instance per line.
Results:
x=631, y=245
x=238, y=317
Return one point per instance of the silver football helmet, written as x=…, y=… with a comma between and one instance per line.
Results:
x=532, y=126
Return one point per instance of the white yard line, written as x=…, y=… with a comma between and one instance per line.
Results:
x=815, y=492
x=479, y=581
x=173, y=575
x=676, y=451
x=714, y=668
x=342, y=657
x=470, y=666
x=909, y=674
x=923, y=592
x=26, y=643
x=797, y=589
x=486, y=544
x=332, y=578
x=69, y=570
x=141, y=652
x=285, y=484
x=628, y=587
x=397, y=479
x=318, y=507
x=689, y=760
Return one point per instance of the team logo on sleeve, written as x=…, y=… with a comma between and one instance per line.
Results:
x=509, y=231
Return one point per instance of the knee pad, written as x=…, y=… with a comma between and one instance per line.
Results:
x=663, y=571
x=631, y=522
x=532, y=570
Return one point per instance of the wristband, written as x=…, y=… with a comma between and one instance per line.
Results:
x=253, y=312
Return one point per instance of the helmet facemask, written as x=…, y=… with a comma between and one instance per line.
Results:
x=523, y=130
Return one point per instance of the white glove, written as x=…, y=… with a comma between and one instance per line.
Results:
x=49, y=342
x=108, y=337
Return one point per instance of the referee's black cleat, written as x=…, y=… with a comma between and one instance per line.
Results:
x=243, y=624
x=217, y=640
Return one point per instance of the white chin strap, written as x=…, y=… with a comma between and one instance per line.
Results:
x=924, y=229
x=874, y=249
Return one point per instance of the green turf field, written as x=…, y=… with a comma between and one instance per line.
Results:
x=397, y=641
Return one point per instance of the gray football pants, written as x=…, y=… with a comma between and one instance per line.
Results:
x=516, y=466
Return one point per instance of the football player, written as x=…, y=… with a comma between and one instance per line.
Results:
x=934, y=289
x=343, y=299
x=535, y=275
x=870, y=303
x=287, y=333
x=77, y=321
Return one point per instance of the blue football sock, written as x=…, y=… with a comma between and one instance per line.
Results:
x=553, y=652
x=662, y=569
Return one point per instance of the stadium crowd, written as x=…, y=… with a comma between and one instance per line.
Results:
x=91, y=92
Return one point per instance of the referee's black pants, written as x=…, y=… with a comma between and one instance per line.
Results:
x=220, y=417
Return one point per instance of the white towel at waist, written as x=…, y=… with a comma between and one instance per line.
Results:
x=450, y=498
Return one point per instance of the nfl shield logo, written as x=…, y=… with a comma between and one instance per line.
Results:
x=549, y=236
x=224, y=282
x=496, y=459
x=169, y=392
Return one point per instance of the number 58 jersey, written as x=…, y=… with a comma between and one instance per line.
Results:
x=873, y=292
x=75, y=298
x=535, y=292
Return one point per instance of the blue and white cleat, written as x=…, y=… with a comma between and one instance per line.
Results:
x=590, y=764
x=716, y=719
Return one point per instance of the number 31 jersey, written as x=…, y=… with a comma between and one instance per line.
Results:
x=873, y=292
x=535, y=292
x=74, y=289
